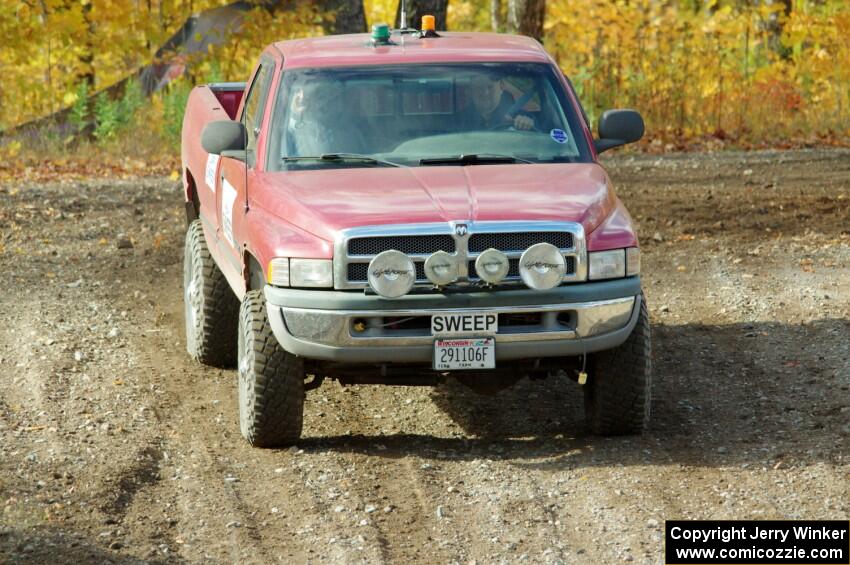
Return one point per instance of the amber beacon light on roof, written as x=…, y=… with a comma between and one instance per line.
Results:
x=381, y=32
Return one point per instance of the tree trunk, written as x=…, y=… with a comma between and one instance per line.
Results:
x=775, y=24
x=418, y=8
x=349, y=16
x=496, y=15
x=87, y=55
x=525, y=17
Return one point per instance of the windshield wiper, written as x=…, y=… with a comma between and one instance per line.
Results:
x=342, y=157
x=474, y=159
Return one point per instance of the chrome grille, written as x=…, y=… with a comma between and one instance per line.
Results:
x=355, y=247
x=479, y=242
x=359, y=272
x=513, y=270
x=410, y=244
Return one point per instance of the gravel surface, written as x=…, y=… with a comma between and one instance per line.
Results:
x=116, y=448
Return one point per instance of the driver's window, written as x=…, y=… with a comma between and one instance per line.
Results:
x=252, y=116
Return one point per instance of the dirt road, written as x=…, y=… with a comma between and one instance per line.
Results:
x=115, y=448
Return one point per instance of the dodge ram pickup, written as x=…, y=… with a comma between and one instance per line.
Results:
x=403, y=207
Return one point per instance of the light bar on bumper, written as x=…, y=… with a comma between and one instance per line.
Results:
x=391, y=274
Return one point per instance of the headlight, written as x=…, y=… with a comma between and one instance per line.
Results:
x=607, y=264
x=492, y=266
x=279, y=272
x=441, y=268
x=311, y=272
x=632, y=261
x=542, y=266
x=391, y=274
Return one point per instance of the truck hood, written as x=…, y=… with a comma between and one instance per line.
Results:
x=323, y=202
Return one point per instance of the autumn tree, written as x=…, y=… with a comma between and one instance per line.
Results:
x=345, y=16
x=417, y=8
x=496, y=15
x=525, y=17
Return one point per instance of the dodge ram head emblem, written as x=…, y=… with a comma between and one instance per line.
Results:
x=460, y=230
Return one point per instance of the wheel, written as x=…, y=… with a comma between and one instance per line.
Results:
x=271, y=381
x=210, y=307
x=617, y=395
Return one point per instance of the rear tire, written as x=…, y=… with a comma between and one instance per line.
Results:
x=210, y=307
x=617, y=396
x=271, y=380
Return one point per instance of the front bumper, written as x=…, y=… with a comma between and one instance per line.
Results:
x=566, y=321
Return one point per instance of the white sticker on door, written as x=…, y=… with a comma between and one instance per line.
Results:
x=212, y=167
x=228, y=199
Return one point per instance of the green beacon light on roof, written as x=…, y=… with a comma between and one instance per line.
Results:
x=380, y=34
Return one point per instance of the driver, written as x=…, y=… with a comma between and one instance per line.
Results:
x=489, y=106
x=319, y=124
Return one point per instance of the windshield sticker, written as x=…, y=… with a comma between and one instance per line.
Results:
x=558, y=135
x=212, y=167
x=228, y=199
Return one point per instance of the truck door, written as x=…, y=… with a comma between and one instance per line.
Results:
x=235, y=174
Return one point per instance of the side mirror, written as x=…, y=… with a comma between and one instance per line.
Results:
x=618, y=127
x=223, y=135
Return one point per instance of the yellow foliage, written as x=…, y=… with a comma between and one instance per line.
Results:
x=723, y=69
x=380, y=11
x=49, y=46
x=234, y=59
x=694, y=68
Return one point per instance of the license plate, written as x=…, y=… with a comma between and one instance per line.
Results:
x=464, y=324
x=456, y=354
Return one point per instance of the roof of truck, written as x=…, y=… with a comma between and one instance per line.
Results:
x=450, y=47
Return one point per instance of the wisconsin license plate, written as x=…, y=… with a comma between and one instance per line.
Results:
x=457, y=354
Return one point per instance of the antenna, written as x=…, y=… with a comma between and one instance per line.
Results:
x=403, y=19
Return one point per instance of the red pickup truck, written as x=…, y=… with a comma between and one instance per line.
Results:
x=400, y=207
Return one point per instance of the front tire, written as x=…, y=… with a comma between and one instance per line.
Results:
x=617, y=396
x=210, y=307
x=271, y=380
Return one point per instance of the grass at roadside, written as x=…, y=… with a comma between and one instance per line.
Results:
x=121, y=137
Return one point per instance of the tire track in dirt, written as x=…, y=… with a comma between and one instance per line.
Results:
x=745, y=426
x=202, y=479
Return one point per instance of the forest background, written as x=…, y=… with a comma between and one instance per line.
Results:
x=705, y=74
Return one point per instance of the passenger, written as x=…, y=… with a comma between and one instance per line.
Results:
x=319, y=123
x=489, y=106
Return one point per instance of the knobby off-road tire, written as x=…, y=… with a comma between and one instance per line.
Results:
x=210, y=307
x=617, y=395
x=271, y=381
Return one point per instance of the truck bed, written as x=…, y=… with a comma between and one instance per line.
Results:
x=208, y=102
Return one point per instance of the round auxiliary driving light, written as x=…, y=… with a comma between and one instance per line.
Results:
x=542, y=266
x=391, y=274
x=492, y=266
x=441, y=268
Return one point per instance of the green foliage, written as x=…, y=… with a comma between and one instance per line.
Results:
x=106, y=117
x=130, y=103
x=79, y=115
x=173, y=107
x=113, y=116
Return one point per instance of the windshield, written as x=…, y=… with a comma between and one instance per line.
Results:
x=420, y=115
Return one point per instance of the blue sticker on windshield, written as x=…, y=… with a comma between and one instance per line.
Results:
x=559, y=135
